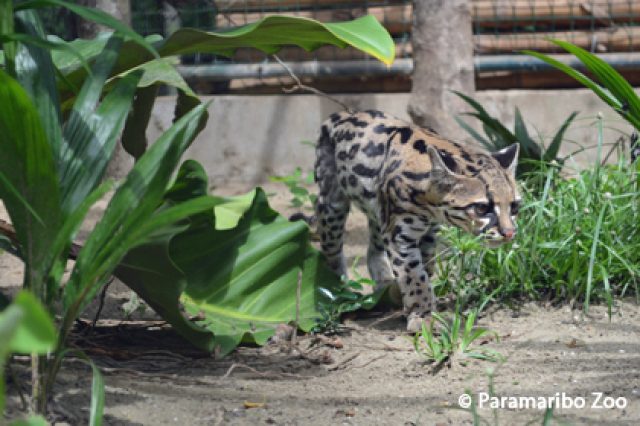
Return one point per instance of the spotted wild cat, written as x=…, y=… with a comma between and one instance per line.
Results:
x=408, y=180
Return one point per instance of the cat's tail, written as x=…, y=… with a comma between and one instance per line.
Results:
x=311, y=220
x=325, y=168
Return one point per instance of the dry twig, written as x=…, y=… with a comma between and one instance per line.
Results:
x=345, y=362
x=371, y=361
x=615, y=145
x=265, y=374
x=103, y=295
x=299, y=86
x=14, y=379
x=391, y=316
x=294, y=333
x=386, y=347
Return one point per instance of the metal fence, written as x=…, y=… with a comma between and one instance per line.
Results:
x=598, y=25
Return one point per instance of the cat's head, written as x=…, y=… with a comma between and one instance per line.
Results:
x=482, y=196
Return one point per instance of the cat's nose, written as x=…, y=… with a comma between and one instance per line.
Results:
x=508, y=233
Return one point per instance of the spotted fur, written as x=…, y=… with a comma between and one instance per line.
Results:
x=408, y=181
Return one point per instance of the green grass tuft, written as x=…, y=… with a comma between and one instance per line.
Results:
x=578, y=242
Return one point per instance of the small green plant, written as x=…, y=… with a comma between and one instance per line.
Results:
x=295, y=182
x=459, y=267
x=25, y=328
x=133, y=305
x=443, y=339
x=350, y=296
x=497, y=136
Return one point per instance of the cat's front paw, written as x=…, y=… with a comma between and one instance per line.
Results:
x=415, y=321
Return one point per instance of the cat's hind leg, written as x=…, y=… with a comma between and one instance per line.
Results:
x=332, y=205
x=377, y=261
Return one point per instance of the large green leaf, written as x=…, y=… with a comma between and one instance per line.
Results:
x=244, y=279
x=122, y=226
x=30, y=421
x=69, y=58
x=93, y=15
x=474, y=133
x=530, y=147
x=35, y=71
x=34, y=332
x=150, y=272
x=50, y=43
x=617, y=92
x=236, y=265
x=577, y=75
x=27, y=163
x=25, y=327
x=8, y=51
x=607, y=75
x=554, y=147
x=134, y=135
x=273, y=32
x=66, y=232
x=67, y=61
x=156, y=72
x=500, y=136
x=268, y=34
x=97, y=396
x=92, y=131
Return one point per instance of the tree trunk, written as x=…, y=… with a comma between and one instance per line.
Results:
x=119, y=9
x=443, y=61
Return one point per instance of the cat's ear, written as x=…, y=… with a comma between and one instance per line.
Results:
x=440, y=161
x=508, y=157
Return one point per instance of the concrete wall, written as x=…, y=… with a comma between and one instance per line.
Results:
x=249, y=138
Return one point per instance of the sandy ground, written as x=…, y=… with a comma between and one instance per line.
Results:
x=372, y=377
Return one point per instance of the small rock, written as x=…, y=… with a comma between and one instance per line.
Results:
x=347, y=412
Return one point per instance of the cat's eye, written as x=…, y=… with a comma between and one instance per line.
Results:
x=481, y=209
x=515, y=208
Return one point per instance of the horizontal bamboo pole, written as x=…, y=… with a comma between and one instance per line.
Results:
x=484, y=10
x=402, y=83
x=605, y=40
x=398, y=14
x=538, y=80
x=259, y=5
x=356, y=68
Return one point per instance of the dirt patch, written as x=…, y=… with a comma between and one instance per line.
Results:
x=375, y=377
